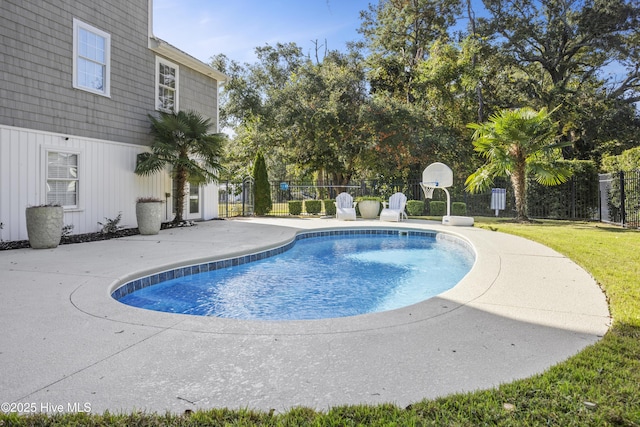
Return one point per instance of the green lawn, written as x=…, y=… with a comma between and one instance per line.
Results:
x=598, y=387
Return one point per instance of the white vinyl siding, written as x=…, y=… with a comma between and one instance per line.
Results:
x=62, y=179
x=167, y=84
x=107, y=183
x=91, y=58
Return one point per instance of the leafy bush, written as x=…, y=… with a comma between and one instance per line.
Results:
x=66, y=230
x=313, y=207
x=111, y=226
x=372, y=198
x=437, y=208
x=458, y=208
x=262, y=188
x=415, y=207
x=623, y=167
x=149, y=199
x=295, y=207
x=576, y=198
x=626, y=161
x=329, y=207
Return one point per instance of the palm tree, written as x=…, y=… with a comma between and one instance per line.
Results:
x=517, y=143
x=183, y=141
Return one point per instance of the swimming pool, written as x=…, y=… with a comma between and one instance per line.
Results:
x=321, y=274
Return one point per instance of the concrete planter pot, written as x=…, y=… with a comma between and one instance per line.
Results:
x=44, y=226
x=149, y=217
x=369, y=209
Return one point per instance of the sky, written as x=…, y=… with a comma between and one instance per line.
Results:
x=204, y=28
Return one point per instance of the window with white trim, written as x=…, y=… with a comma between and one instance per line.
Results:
x=91, y=58
x=167, y=76
x=62, y=178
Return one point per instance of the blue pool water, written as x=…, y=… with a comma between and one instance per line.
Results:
x=318, y=277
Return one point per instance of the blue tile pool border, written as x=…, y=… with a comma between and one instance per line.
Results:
x=153, y=279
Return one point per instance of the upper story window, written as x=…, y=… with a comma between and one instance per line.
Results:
x=167, y=74
x=62, y=178
x=91, y=58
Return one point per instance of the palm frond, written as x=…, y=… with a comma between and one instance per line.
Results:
x=149, y=164
x=549, y=174
x=481, y=180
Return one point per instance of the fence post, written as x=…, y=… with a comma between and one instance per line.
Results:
x=226, y=199
x=623, y=213
x=574, y=203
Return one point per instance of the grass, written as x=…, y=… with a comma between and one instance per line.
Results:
x=600, y=386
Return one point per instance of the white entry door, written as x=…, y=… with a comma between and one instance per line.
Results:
x=193, y=208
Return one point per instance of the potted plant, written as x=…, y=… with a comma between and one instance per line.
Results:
x=149, y=215
x=369, y=206
x=44, y=225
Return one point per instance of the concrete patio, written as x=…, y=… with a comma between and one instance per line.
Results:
x=67, y=344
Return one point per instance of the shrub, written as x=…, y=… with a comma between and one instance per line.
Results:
x=373, y=198
x=295, y=207
x=458, y=208
x=262, y=188
x=110, y=226
x=626, y=161
x=313, y=207
x=437, y=208
x=66, y=230
x=329, y=207
x=415, y=207
x=621, y=167
x=149, y=199
x=577, y=197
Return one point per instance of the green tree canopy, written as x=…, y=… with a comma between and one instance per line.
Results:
x=402, y=97
x=565, y=51
x=398, y=35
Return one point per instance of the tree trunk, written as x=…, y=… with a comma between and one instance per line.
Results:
x=518, y=180
x=181, y=182
x=474, y=59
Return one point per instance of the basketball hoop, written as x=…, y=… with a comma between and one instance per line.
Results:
x=439, y=175
x=428, y=191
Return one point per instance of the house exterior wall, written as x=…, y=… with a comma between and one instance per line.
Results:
x=198, y=94
x=107, y=184
x=37, y=57
x=41, y=109
x=36, y=87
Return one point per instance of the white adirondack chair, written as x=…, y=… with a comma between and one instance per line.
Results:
x=345, y=207
x=395, y=210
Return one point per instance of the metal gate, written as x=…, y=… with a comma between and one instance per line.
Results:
x=236, y=199
x=620, y=198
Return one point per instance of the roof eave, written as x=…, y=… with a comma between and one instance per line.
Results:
x=165, y=49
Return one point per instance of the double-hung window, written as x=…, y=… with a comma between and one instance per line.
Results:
x=91, y=58
x=167, y=74
x=62, y=178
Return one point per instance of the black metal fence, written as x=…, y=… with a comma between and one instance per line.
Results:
x=577, y=199
x=620, y=198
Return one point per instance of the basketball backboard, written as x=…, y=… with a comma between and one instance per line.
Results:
x=437, y=175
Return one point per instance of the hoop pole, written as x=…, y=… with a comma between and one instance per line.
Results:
x=448, y=201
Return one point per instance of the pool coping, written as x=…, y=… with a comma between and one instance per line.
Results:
x=120, y=290
x=471, y=286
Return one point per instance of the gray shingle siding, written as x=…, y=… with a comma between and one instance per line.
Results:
x=36, y=71
x=197, y=94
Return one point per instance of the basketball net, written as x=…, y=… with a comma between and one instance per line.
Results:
x=428, y=191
